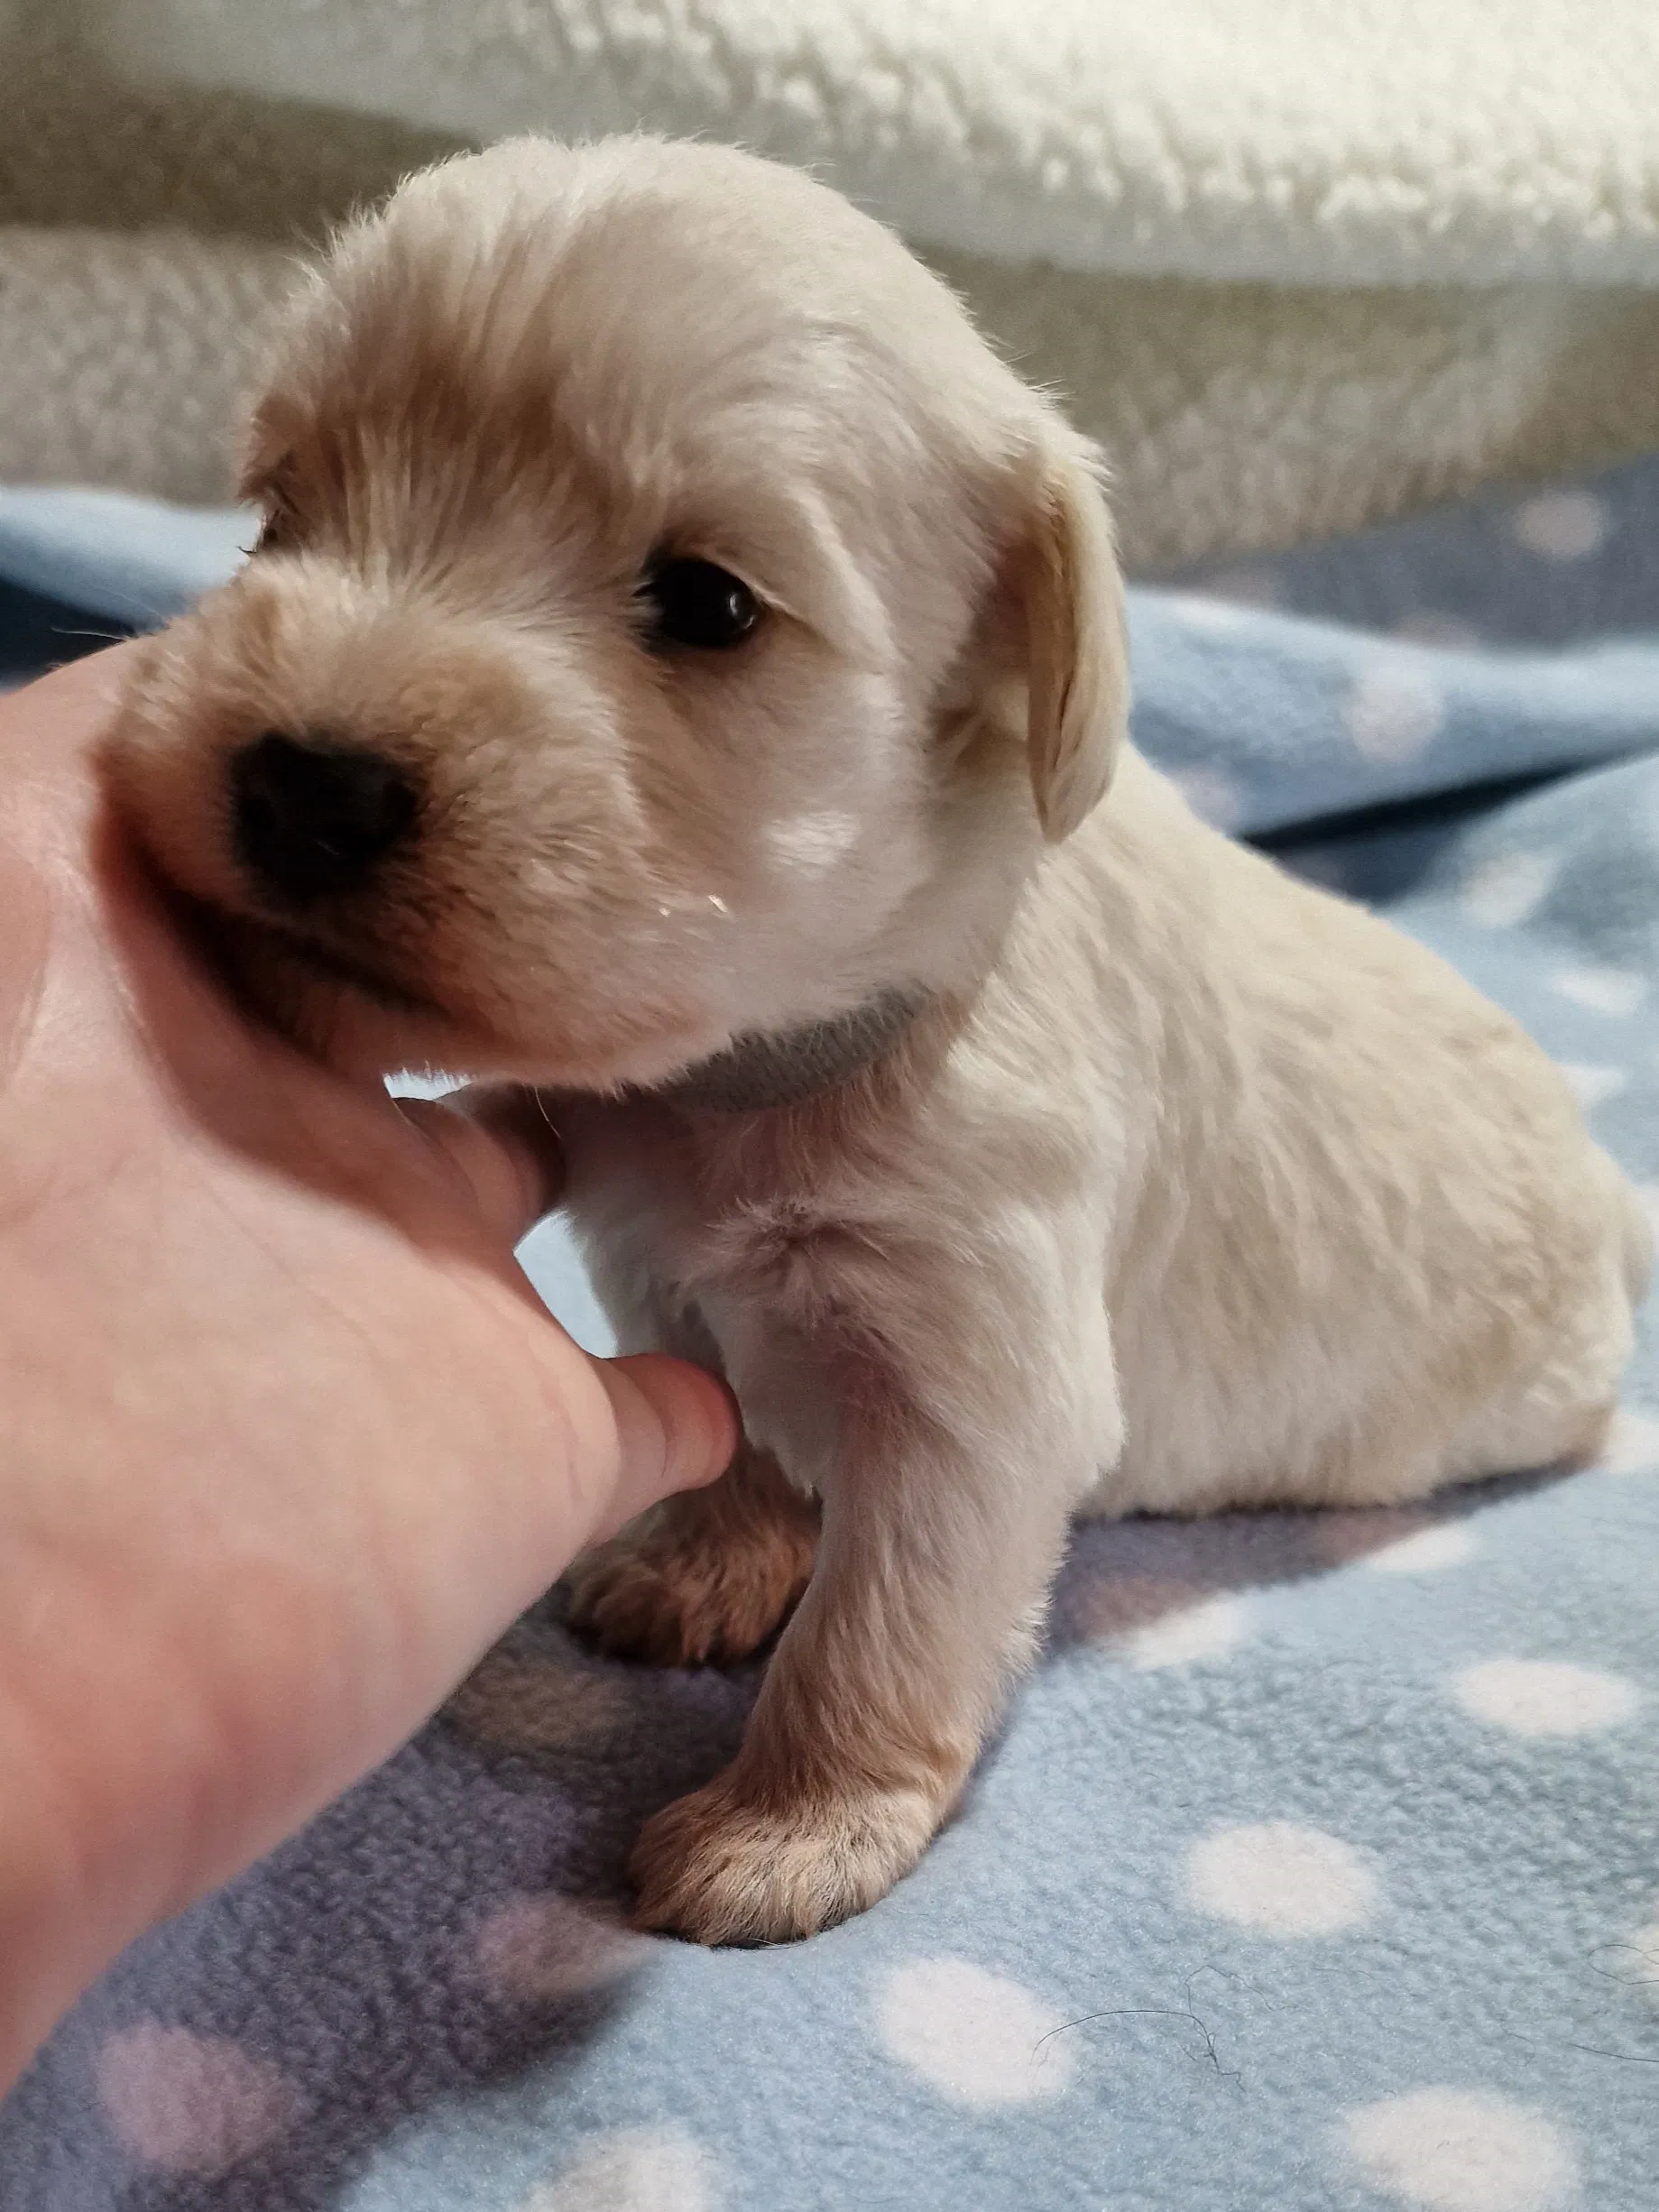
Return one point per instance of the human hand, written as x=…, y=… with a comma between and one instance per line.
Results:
x=287, y=1439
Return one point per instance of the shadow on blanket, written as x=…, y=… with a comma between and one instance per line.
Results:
x=424, y=1938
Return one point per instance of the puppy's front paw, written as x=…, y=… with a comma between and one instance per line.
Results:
x=720, y=1868
x=681, y=1597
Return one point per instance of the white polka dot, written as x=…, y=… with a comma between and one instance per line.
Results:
x=1211, y=794
x=542, y=1946
x=1543, y=1697
x=1393, y=710
x=1462, y=2150
x=1616, y=991
x=1562, y=526
x=1593, y=1082
x=976, y=2038
x=1445, y=631
x=1632, y=1446
x=631, y=2169
x=1505, y=891
x=1203, y=1631
x=193, y=2106
x=1427, y=1551
x=1280, y=1879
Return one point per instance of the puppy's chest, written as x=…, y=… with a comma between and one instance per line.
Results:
x=714, y=1222
x=764, y=1271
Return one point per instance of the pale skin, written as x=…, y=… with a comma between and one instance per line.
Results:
x=285, y=1439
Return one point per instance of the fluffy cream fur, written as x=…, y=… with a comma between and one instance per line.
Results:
x=1191, y=1186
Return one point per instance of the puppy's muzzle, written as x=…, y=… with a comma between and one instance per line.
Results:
x=312, y=817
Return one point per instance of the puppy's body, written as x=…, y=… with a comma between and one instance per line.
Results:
x=1183, y=1185
x=1218, y=1192
x=1337, y=1209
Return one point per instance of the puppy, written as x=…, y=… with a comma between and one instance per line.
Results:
x=683, y=668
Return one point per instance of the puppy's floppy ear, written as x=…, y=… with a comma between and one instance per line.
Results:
x=1071, y=594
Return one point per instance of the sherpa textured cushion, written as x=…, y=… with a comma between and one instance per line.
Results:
x=1298, y=263
x=1297, y=140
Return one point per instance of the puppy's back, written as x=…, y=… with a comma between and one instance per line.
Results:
x=1367, y=1244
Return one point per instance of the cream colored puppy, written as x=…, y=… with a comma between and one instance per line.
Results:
x=683, y=667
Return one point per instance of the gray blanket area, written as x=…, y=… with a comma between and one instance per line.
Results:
x=1313, y=1870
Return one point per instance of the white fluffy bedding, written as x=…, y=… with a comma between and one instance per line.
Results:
x=1298, y=141
x=1298, y=263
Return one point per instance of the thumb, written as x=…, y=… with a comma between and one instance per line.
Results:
x=676, y=1425
x=677, y=1429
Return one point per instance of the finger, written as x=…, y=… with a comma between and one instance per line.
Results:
x=676, y=1426
x=500, y=1142
x=72, y=704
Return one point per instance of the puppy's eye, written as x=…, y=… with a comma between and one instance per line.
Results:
x=279, y=527
x=693, y=603
x=275, y=531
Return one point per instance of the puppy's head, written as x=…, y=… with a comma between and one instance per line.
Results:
x=670, y=621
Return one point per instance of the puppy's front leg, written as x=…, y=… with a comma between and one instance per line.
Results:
x=943, y=1519
x=707, y=1575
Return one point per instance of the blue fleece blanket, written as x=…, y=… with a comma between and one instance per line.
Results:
x=1315, y=1869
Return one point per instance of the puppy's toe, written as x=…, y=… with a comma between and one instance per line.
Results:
x=682, y=1601
x=719, y=1868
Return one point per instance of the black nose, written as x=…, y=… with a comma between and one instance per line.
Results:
x=312, y=816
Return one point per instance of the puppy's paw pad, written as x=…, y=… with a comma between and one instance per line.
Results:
x=688, y=1604
x=719, y=1869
